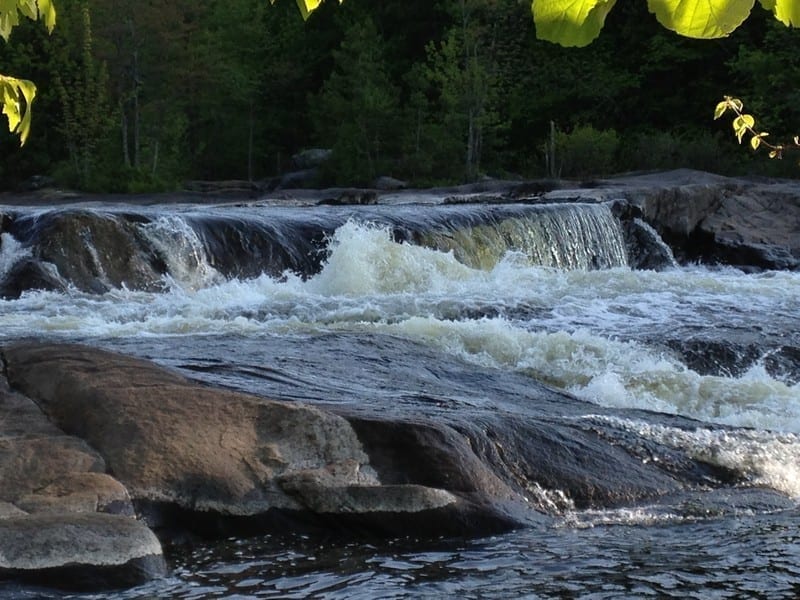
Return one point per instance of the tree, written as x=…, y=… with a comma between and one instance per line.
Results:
x=358, y=107
x=18, y=94
x=463, y=70
x=81, y=81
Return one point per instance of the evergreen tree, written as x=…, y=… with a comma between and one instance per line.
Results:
x=357, y=109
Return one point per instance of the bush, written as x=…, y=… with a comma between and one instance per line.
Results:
x=664, y=150
x=585, y=152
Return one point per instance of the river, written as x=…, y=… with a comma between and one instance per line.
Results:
x=414, y=308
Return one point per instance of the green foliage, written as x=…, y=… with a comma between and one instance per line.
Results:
x=18, y=94
x=696, y=149
x=744, y=126
x=81, y=82
x=357, y=110
x=585, y=152
x=231, y=89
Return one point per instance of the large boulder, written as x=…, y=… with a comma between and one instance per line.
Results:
x=184, y=449
x=715, y=219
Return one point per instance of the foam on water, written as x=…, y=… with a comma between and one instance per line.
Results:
x=570, y=329
x=364, y=260
x=763, y=458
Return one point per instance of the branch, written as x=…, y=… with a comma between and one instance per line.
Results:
x=745, y=124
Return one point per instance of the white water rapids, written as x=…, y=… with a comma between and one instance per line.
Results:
x=588, y=332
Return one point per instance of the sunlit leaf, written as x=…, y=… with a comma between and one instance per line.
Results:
x=743, y=122
x=720, y=109
x=306, y=6
x=755, y=142
x=47, y=13
x=570, y=22
x=17, y=97
x=701, y=18
x=786, y=11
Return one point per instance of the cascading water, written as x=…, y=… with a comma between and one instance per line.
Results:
x=96, y=251
x=564, y=236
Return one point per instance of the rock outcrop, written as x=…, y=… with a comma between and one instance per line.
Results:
x=180, y=446
x=87, y=436
x=713, y=219
x=63, y=520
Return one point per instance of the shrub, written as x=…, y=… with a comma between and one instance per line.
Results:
x=585, y=152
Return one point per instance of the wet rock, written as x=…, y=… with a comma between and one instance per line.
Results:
x=91, y=250
x=88, y=551
x=30, y=274
x=352, y=196
x=177, y=445
x=721, y=220
x=63, y=520
x=646, y=249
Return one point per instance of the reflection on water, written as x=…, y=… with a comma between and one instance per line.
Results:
x=751, y=556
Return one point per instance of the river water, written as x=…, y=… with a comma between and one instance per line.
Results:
x=399, y=308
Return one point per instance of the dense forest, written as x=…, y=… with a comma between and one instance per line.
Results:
x=140, y=95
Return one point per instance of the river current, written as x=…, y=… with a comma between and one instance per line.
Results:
x=385, y=322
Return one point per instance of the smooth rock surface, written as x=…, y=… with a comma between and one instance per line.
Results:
x=176, y=443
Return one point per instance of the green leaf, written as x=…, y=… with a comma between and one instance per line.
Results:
x=306, y=6
x=570, y=22
x=701, y=18
x=786, y=11
x=47, y=13
x=743, y=122
x=720, y=109
x=9, y=17
x=17, y=97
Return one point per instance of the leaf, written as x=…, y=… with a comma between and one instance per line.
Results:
x=755, y=142
x=47, y=13
x=9, y=17
x=306, y=6
x=743, y=122
x=786, y=11
x=17, y=97
x=570, y=22
x=720, y=109
x=701, y=18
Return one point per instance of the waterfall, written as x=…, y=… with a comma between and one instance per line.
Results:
x=98, y=249
x=564, y=236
